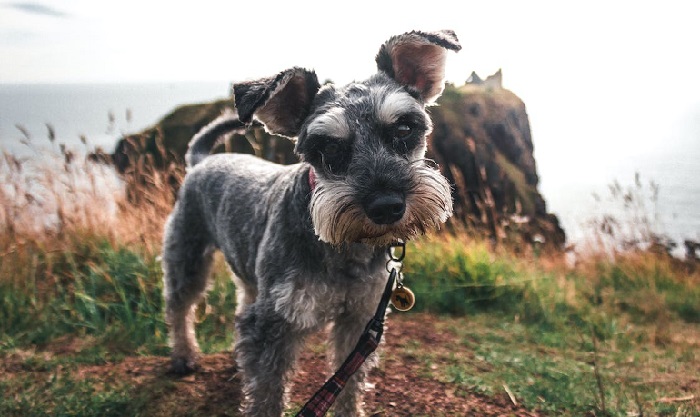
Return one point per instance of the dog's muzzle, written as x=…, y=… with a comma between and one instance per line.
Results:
x=340, y=214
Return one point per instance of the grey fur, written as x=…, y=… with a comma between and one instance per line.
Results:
x=305, y=242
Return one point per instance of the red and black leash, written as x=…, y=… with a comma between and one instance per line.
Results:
x=324, y=398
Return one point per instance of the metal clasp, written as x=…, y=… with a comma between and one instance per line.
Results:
x=394, y=258
x=391, y=252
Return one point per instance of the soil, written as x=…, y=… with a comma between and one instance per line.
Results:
x=399, y=387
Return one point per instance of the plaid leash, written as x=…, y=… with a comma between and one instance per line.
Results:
x=324, y=398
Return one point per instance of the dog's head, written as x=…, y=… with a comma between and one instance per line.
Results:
x=365, y=141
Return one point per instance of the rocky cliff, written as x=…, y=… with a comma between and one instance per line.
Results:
x=481, y=140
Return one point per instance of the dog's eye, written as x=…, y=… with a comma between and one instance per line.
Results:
x=331, y=149
x=334, y=155
x=402, y=131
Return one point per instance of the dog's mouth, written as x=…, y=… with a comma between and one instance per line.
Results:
x=338, y=218
x=380, y=236
x=364, y=230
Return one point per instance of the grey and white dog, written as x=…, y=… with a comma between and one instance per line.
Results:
x=307, y=242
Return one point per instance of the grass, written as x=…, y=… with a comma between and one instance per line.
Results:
x=24, y=396
x=452, y=274
x=515, y=323
x=109, y=298
x=564, y=340
x=611, y=335
x=553, y=371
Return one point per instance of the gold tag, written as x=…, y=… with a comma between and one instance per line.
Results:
x=403, y=298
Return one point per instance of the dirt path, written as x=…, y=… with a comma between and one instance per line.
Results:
x=398, y=388
x=401, y=386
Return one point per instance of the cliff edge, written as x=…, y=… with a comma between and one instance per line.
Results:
x=482, y=141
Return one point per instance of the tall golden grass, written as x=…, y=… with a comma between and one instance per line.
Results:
x=52, y=194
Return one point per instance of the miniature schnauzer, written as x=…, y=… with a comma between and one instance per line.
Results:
x=307, y=242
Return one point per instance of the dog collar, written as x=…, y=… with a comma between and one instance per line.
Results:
x=312, y=178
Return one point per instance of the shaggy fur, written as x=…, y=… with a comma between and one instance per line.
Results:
x=306, y=242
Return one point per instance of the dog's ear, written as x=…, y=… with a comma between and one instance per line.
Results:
x=280, y=102
x=417, y=59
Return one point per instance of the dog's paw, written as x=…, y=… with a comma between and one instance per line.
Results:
x=183, y=366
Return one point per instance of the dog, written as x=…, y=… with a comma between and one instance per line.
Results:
x=404, y=301
x=307, y=243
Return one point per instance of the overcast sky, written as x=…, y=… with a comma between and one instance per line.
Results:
x=618, y=63
x=139, y=40
x=608, y=84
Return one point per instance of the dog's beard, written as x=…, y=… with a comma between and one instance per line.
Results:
x=338, y=218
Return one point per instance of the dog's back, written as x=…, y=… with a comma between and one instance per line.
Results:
x=231, y=195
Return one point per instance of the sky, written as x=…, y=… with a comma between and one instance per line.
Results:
x=606, y=83
x=142, y=40
x=564, y=52
x=615, y=62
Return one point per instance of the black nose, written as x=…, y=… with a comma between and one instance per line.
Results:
x=385, y=208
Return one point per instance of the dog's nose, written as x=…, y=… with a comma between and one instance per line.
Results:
x=385, y=208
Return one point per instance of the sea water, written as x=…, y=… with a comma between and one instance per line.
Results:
x=101, y=113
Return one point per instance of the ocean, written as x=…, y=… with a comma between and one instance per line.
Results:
x=101, y=113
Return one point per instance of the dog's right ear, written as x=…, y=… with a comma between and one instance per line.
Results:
x=280, y=102
x=417, y=59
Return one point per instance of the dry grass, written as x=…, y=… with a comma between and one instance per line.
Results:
x=53, y=194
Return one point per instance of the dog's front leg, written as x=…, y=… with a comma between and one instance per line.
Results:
x=345, y=334
x=266, y=349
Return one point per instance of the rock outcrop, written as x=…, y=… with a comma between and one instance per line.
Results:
x=483, y=144
x=481, y=140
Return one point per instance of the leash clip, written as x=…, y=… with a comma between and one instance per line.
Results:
x=391, y=252
x=393, y=258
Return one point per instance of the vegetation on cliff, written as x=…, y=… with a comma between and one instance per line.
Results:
x=482, y=142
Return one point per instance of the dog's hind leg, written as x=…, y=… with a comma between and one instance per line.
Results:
x=187, y=260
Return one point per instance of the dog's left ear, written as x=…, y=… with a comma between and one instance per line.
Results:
x=417, y=59
x=280, y=102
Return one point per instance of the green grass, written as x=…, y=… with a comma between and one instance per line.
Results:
x=555, y=372
x=110, y=298
x=542, y=382
x=454, y=275
x=542, y=378
x=460, y=279
x=566, y=341
x=61, y=395
x=538, y=329
x=95, y=291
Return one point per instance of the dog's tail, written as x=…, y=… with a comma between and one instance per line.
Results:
x=202, y=143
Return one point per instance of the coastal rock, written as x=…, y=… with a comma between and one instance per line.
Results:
x=483, y=144
x=481, y=141
x=166, y=141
